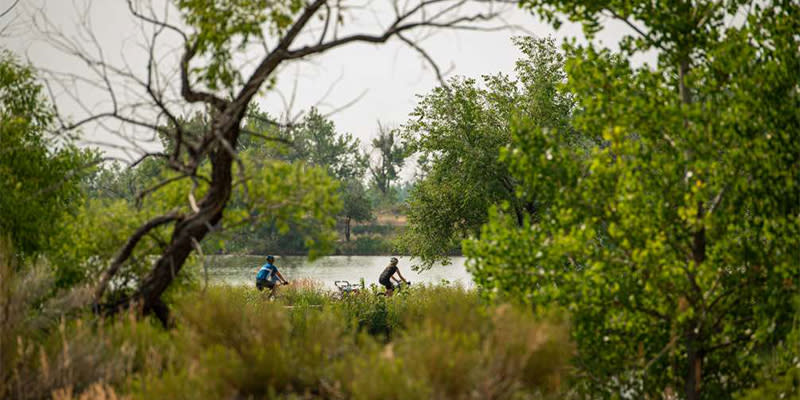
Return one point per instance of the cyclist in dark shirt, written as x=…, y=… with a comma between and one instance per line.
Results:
x=388, y=275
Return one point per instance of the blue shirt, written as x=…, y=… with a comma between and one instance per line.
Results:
x=268, y=272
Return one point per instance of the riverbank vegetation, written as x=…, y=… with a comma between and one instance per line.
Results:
x=632, y=229
x=234, y=342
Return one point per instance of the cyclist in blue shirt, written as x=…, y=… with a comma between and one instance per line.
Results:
x=268, y=276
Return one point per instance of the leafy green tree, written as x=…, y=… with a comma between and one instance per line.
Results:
x=316, y=142
x=390, y=159
x=779, y=377
x=118, y=181
x=213, y=74
x=87, y=241
x=458, y=132
x=39, y=174
x=356, y=205
x=675, y=242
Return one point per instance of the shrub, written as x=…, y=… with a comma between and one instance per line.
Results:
x=431, y=342
x=366, y=245
x=235, y=342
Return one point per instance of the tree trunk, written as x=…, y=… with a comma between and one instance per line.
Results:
x=694, y=359
x=347, y=229
x=196, y=227
x=694, y=353
x=683, y=69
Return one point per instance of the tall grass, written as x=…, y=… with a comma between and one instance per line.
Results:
x=432, y=342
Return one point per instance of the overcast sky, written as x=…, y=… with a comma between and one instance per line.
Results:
x=385, y=80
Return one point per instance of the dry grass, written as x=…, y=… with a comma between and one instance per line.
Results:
x=431, y=342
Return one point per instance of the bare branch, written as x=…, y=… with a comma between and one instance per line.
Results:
x=267, y=138
x=155, y=109
x=327, y=23
x=346, y=105
x=395, y=28
x=192, y=200
x=8, y=10
x=146, y=156
x=271, y=61
x=427, y=58
x=156, y=22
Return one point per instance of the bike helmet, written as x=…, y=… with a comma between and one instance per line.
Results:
x=393, y=260
x=270, y=258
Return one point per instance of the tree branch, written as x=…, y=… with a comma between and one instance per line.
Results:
x=631, y=25
x=127, y=250
x=8, y=10
x=190, y=94
x=427, y=58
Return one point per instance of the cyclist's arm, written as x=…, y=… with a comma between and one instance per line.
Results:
x=280, y=276
x=401, y=276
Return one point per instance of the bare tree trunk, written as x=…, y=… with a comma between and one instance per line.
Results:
x=347, y=229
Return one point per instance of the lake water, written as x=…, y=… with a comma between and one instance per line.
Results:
x=241, y=270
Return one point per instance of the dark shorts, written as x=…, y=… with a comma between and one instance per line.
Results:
x=387, y=283
x=260, y=285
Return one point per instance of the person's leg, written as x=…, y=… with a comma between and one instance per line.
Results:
x=386, y=284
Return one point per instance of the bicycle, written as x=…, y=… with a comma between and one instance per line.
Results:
x=396, y=287
x=347, y=288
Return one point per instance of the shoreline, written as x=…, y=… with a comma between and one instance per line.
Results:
x=305, y=254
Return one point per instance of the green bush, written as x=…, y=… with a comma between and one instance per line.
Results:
x=374, y=229
x=235, y=342
x=365, y=245
x=430, y=342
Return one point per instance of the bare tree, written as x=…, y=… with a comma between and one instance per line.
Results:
x=208, y=75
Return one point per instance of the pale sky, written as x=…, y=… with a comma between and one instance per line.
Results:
x=388, y=77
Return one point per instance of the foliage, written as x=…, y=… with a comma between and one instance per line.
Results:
x=323, y=350
x=116, y=181
x=312, y=142
x=80, y=252
x=356, y=204
x=674, y=242
x=315, y=141
x=225, y=26
x=39, y=176
x=780, y=376
x=290, y=195
x=275, y=194
x=459, y=130
x=28, y=311
x=390, y=159
x=429, y=342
